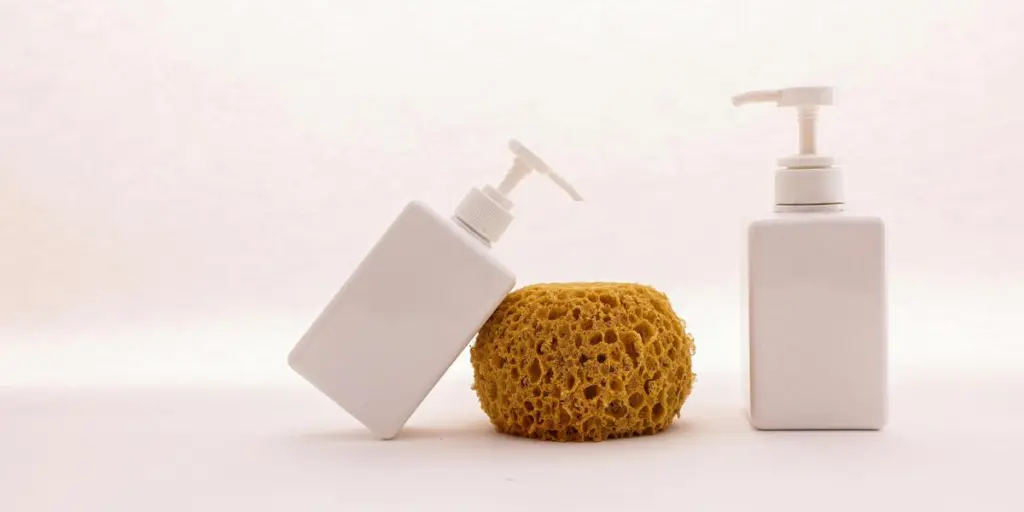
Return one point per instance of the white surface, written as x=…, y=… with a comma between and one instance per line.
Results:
x=209, y=417
x=951, y=445
x=397, y=324
x=817, y=321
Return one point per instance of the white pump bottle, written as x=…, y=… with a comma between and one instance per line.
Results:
x=414, y=304
x=815, y=293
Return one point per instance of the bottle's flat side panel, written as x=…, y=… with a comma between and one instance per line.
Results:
x=401, y=319
x=817, y=323
x=745, y=318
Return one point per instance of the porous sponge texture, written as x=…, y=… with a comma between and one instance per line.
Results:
x=583, y=362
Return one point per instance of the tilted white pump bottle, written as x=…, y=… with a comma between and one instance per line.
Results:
x=413, y=304
x=815, y=293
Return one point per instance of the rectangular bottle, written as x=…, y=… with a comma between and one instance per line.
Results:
x=414, y=303
x=402, y=318
x=814, y=293
x=816, y=299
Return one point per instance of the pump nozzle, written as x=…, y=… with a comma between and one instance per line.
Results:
x=807, y=178
x=527, y=161
x=806, y=100
x=487, y=211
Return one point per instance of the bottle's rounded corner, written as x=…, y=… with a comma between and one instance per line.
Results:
x=508, y=274
x=751, y=227
x=880, y=222
x=295, y=360
x=754, y=420
x=387, y=436
x=386, y=432
x=416, y=205
x=882, y=422
x=756, y=423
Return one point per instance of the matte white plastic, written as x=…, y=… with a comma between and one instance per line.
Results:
x=406, y=313
x=487, y=211
x=815, y=311
x=806, y=178
x=809, y=186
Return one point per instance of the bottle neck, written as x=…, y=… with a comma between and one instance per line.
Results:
x=484, y=213
x=469, y=229
x=808, y=208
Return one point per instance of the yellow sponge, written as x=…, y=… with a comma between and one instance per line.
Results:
x=583, y=362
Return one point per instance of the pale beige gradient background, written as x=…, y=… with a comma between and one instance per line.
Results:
x=164, y=163
x=184, y=184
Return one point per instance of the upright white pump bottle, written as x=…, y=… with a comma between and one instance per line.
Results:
x=815, y=293
x=413, y=305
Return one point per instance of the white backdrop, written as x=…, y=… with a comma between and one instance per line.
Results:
x=169, y=162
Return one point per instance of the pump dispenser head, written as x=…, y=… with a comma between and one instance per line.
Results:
x=806, y=179
x=487, y=211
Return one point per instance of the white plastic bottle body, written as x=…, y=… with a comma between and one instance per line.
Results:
x=815, y=301
x=403, y=317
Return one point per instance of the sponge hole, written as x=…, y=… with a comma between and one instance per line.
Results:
x=590, y=392
x=658, y=411
x=616, y=410
x=527, y=422
x=533, y=371
x=630, y=341
x=557, y=312
x=645, y=330
x=635, y=400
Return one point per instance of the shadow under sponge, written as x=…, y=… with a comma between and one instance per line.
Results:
x=583, y=362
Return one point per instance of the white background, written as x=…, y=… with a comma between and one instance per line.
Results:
x=183, y=185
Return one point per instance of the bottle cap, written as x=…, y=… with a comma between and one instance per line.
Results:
x=487, y=211
x=807, y=178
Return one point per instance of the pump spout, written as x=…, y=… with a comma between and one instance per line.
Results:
x=807, y=101
x=487, y=211
x=788, y=97
x=527, y=161
x=806, y=178
x=767, y=96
